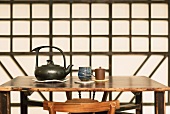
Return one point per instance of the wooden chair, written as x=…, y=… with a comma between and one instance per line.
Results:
x=78, y=106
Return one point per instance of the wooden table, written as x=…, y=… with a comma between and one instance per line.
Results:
x=139, y=84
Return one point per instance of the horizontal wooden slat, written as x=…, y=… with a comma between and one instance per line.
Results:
x=82, y=53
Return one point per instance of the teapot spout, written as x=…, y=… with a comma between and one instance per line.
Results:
x=68, y=69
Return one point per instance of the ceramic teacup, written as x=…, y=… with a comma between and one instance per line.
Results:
x=85, y=73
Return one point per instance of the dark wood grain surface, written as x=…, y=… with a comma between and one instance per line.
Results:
x=115, y=83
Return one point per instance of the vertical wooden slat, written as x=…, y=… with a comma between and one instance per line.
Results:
x=30, y=27
x=11, y=26
x=51, y=37
x=90, y=33
x=90, y=39
x=71, y=37
x=110, y=38
x=169, y=49
x=149, y=35
x=130, y=27
x=110, y=44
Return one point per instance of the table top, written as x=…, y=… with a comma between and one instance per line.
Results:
x=114, y=83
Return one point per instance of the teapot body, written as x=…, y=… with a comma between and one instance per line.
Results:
x=100, y=73
x=50, y=72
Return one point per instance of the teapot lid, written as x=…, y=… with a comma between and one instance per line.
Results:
x=100, y=68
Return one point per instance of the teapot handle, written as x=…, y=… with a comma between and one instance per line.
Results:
x=37, y=51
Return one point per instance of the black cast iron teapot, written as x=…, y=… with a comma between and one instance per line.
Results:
x=51, y=71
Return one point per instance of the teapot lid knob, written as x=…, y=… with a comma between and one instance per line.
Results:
x=50, y=62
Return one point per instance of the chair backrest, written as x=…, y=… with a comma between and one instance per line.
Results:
x=84, y=100
x=54, y=107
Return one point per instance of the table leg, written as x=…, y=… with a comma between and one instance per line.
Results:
x=159, y=102
x=24, y=103
x=139, y=101
x=105, y=95
x=5, y=105
x=69, y=95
